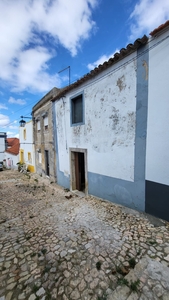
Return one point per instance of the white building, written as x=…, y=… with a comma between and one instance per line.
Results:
x=3, y=145
x=111, y=128
x=157, y=142
x=12, y=153
x=27, y=153
x=100, y=140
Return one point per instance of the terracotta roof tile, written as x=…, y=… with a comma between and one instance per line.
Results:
x=158, y=29
x=13, y=143
x=117, y=56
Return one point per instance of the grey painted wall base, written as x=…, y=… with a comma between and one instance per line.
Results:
x=63, y=180
x=130, y=194
x=157, y=199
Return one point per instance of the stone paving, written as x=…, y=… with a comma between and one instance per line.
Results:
x=57, y=245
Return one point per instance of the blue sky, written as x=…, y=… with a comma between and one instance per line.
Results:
x=39, y=38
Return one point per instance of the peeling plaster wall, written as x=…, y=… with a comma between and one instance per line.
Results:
x=109, y=129
x=114, y=132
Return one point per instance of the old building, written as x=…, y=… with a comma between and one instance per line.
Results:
x=3, y=145
x=100, y=129
x=27, y=152
x=45, y=156
x=111, y=128
x=12, y=153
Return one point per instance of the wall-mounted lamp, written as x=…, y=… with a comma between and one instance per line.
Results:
x=23, y=122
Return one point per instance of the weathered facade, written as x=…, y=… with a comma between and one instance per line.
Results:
x=100, y=124
x=45, y=156
x=106, y=127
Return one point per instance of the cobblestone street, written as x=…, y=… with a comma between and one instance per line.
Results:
x=57, y=245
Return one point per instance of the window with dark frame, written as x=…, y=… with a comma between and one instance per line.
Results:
x=77, y=109
x=46, y=122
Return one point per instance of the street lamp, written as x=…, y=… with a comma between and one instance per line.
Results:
x=23, y=122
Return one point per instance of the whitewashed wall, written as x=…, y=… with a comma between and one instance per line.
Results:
x=109, y=130
x=157, y=153
x=11, y=160
x=2, y=148
x=27, y=144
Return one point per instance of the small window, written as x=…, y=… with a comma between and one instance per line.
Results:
x=24, y=134
x=29, y=157
x=40, y=157
x=77, y=110
x=46, y=123
x=38, y=126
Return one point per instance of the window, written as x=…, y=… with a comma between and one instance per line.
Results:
x=38, y=125
x=77, y=110
x=29, y=157
x=24, y=134
x=46, y=123
x=40, y=157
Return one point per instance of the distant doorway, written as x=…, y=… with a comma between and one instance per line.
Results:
x=47, y=162
x=79, y=170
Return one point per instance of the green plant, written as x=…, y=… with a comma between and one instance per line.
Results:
x=134, y=285
x=35, y=288
x=98, y=265
x=122, y=281
x=48, y=295
x=139, y=251
x=33, y=254
x=44, y=251
x=20, y=165
x=36, y=179
x=46, y=269
x=151, y=242
x=132, y=262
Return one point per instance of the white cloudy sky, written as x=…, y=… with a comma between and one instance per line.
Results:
x=41, y=37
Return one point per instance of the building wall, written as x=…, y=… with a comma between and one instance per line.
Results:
x=27, y=146
x=2, y=146
x=157, y=154
x=44, y=141
x=11, y=160
x=113, y=134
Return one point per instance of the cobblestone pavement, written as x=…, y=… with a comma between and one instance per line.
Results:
x=57, y=245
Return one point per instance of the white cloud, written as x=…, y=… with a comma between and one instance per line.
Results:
x=12, y=134
x=147, y=15
x=13, y=127
x=16, y=101
x=29, y=27
x=4, y=120
x=101, y=60
x=3, y=106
